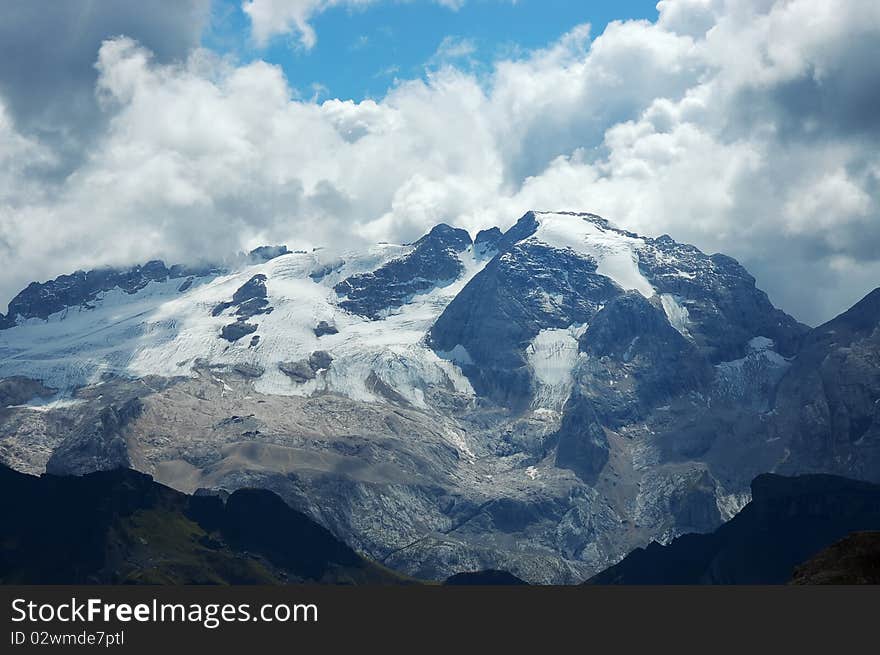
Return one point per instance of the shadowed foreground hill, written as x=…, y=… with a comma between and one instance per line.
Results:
x=854, y=560
x=788, y=521
x=121, y=527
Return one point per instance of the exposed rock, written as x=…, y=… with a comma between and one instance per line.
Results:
x=499, y=312
x=238, y=330
x=299, y=372
x=432, y=262
x=249, y=370
x=307, y=369
x=532, y=286
x=320, y=360
x=323, y=328
x=98, y=446
x=828, y=403
x=637, y=360
x=18, y=390
x=486, y=243
x=41, y=300
x=582, y=444
x=267, y=253
x=249, y=300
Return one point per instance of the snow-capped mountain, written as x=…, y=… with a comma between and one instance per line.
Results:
x=541, y=400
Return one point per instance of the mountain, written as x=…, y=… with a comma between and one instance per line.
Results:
x=787, y=521
x=852, y=560
x=828, y=403
x=541, y=401
x=120, y=527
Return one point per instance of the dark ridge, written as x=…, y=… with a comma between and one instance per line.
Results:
x=788, y=521
x=121, y=527
x=850, y=561
x=41, y=300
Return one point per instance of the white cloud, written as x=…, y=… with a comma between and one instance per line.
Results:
x=735, y=125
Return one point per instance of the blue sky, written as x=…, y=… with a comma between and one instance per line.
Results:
x=360, y=52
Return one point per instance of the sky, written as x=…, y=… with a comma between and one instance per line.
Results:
x=360, y=51
x=189, y=129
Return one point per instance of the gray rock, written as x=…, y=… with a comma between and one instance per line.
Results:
x=324, y=328
x=99, y=445
x=432, y=262
x=249, y=370
x=238, y=330
x=299, y=372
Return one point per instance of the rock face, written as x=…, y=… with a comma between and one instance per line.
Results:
x=488, y=326
x=100, y=446
x=307, y=369
x=829, y=402
x=18, y=390
x=432, y=262
x=787, y=521
x=540, y=401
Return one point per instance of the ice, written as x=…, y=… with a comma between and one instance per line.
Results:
x=552, y=355
x=162, y=331
x=676, y=313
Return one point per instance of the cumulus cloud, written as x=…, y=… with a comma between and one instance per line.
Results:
x=742, y=126
x=47, y=54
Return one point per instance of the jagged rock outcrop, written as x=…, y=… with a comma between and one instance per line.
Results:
x=79, y=289
x=433, y=261
x=249, y=300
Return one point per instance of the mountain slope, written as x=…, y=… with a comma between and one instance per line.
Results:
x=540, y=401
x=853, y=560
x=829, y=402
x=121, y=527
x=787, y=521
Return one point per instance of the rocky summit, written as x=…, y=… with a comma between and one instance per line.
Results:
x=540, y=401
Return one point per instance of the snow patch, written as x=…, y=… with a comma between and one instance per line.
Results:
x=615, y=252
x=50, y=404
